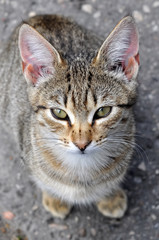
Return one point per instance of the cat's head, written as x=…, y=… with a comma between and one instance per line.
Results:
x=80, y=105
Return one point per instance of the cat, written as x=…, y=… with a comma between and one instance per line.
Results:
x=67, y=97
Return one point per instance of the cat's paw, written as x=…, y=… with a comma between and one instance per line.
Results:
x=113, y=206
x=55, y=206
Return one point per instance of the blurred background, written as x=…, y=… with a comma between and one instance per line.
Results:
x=22, y=216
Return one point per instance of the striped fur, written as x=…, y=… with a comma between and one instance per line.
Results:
x=80, y=83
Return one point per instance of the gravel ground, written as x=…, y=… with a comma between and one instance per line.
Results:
x=18, y=194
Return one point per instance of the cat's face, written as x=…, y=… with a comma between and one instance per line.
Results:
x=81, y=115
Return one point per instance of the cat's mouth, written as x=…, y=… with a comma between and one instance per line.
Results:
x=81, y=151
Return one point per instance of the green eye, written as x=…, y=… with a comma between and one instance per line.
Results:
x=102, y=112
x=59, y=114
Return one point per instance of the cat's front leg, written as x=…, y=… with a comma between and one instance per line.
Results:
x=113, y=206
x=55, y=206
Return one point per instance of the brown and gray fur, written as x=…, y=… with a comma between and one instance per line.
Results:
x=82, y=82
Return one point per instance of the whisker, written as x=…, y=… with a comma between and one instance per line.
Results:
x=136, y=146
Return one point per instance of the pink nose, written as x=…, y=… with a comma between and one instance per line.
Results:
x=82, y=145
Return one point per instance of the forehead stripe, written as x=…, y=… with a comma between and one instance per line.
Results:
x=86, y=95
x=94, y=98
x=69, y=88
x=65, y=100
x=68, y=76
x=90, y=76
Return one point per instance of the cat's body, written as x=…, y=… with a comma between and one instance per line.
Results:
x=78, y=155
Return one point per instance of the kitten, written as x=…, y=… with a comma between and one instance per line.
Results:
x=67, y=98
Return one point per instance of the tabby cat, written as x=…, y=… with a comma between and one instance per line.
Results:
x=67, y=97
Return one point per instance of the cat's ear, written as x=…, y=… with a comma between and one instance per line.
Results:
x=39, y=57
x=120, y=51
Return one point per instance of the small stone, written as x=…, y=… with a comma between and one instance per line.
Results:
x=157, y=171
x=8, y=215
x=58, y=227
x=121, y=9
x=156, y=225
x=153, y=216
x=138, y=16
x=69, y=236
x=34, y=208
x=131, y=233
x=146, y=9
x=97, y=14
x=82, y=232
x=25, y=214
x=155, y=28
x=76, y=219
x=87, y=8
x=93, y=232
x=137, y=180
x=142, y=166
x=156, y=4
x=32, y=14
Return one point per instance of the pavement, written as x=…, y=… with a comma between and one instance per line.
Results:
x=22, y=216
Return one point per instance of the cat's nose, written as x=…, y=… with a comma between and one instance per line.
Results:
x=82, y=145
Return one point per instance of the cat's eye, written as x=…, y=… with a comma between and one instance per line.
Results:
x=102, y=112
x=59, y=114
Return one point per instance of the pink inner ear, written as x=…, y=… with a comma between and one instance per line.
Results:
x=133, y=47
x=32, y=72
x=38, y=56
x=29, y=64
x=121, y=48
x=131, y=57
x=131, y=66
